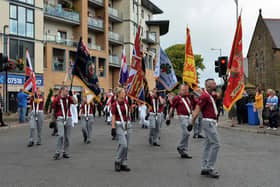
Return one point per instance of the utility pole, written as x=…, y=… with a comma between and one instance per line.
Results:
x=6, y=75
x=236, y=2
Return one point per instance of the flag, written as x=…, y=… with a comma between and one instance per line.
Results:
x=84, y=69
x=164, y=72
x=135, y=88
x=30, y=78
x=124, y=69
x=189, y=72
x=235, y=85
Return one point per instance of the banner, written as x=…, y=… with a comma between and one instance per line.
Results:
x=30, y=78
x=124, y=69
x=235, y=85
x=135, y=88
x=189, y=73
x=84, y=69
x=164, y=72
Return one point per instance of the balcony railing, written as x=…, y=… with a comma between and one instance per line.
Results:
x=60, y=41
x=95, y=22
x=150, y=38
x=95, y=47
x=97, y=2
x=114, y=59
x=58, y=11
x=115, y=37
x=114, y=13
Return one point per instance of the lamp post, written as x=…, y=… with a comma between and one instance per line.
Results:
x=236, y=2
x=214, y=49
x=6, y=75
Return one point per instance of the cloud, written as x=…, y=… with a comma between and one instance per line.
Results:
x=212, y=25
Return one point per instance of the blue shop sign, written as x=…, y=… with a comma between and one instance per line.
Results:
x=19, y=79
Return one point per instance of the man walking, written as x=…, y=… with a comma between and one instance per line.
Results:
x=184, y=105
x=207, y=107
x=22, y=105
x=2, y=123
x=36, y=117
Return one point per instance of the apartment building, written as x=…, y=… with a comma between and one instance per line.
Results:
x=22, y=23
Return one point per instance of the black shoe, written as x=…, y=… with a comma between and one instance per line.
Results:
x=186, y=156
x=56, y=156
x=156, y=144
x=213, y=174
x=200, y=136
x=125, y=168
x=117, y=166
x=4, y=125
x=195, y=136
x=65, y=155
x=180, y=151
x=30, y=144
x=204, y=172
x=88, y=141
x=38, y=143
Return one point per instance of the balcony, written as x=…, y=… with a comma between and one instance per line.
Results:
x=150, y=38
x=57, y=13
x=95, y=47
x=114, y=61
x=96, y=24
x=60, y=41
x=115, y=15
x=115, y=38
x=96, y=3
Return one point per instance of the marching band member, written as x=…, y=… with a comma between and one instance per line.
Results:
x=120, y=122
x=86, y=113
x=184, y=105
x=209, y=111
x=36, y=117
x=61, y=106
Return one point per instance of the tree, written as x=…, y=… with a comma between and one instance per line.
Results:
x=176, y=54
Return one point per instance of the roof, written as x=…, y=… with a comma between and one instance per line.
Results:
x=151, y=6
x=273, y=26
x=163, y=25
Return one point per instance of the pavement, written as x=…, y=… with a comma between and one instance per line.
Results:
x=245, y=159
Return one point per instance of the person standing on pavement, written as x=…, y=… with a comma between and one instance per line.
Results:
x=36, y=117
x=207, y=107
x=272, y=106
x=121, y=124
x=22, y=105
x=155, y=117
x=1, y=111
x=86, y=113
x=53, y=124
x=259, y=106
x=184, y=105
x=61, y=106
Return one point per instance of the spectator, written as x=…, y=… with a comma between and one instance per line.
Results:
x=22, y=105
x=259, y=105
x=241, y=106
x=272, y=105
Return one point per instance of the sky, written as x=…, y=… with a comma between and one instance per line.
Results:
x=212, y=24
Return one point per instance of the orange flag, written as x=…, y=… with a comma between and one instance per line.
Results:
x=235, y=86
x=189, y=73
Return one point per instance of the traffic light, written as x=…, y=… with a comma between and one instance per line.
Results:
x=4, y=63
x=223, y=61
x=217, y=67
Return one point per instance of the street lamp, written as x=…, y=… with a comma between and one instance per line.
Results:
x=236, y=2
x=6, y=75
x=214, y=49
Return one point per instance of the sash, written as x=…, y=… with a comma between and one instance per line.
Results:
x=186, y=105
x=155, y=106
x=213, y=103
x=87, y=111
x=36, y=109
x=63, y=111
x=121, y=116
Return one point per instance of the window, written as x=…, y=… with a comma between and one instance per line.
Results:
x=59, y=59
x=21, y=21
x=31, y=2
x=44, y=60
x=102, y=67
x=61, y=35
x=150, y=62
x=17, y=50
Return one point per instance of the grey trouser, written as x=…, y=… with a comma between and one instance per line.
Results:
x=123, y=140
x=87, y=126
x=211, y=144
x=184, y=143
x=155, y=125
x=64, y=131
x=36, y=124
x=197, y=128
